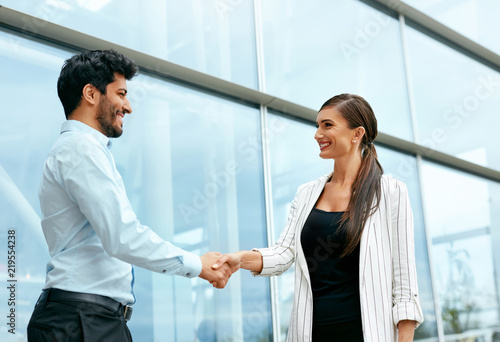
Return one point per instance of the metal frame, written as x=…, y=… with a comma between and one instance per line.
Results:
x=35, y=27
x=474, y=49
x=468, y=234
x=428, y=240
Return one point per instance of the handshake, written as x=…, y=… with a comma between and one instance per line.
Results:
x=217, y=268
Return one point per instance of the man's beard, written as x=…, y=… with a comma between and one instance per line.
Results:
x=106, y=116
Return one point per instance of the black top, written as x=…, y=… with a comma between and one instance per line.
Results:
x=334, y=281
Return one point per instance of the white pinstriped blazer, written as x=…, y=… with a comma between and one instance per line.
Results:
x=387, y=273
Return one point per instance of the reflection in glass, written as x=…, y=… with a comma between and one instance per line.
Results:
x=454, y=97
x=30, y=120
x=214, y=37
x=192, y=167
x=315, y=50
x=475, y=19
x=463, y=227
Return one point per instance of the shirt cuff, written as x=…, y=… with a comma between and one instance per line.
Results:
x=192, y=265
x=266, y=254
x=408, y=311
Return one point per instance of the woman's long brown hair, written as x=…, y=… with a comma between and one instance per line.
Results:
x=366, y=189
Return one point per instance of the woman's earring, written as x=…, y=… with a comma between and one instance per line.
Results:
x=354, y=141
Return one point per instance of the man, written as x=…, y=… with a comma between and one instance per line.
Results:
x=92, y=233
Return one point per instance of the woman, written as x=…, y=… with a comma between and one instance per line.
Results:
x=351, y=235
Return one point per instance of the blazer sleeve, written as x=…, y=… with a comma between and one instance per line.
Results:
x=406, y=302
x=279, y=257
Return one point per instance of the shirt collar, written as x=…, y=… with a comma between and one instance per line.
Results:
x=78, y=126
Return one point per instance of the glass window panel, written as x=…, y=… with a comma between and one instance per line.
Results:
x=475, y=19
x=214, y=37
x=315, y=50
x=30, y=119
x=464, y=230
x=454, y=97
x=192, y=167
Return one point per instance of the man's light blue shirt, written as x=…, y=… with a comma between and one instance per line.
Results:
x=92, y=232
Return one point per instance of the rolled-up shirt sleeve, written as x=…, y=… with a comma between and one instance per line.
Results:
x=93, y=184
x=406, y=301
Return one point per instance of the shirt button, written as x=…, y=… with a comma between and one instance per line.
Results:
x=188, y=274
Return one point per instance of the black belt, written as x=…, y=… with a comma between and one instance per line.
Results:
x=56, y=294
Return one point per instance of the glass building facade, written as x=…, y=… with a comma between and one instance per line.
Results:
x=222, y=136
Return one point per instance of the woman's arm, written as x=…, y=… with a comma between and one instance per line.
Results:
x=268, y=261
x=406, y=330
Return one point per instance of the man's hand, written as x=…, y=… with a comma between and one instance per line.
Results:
x=217, y=277
x=232, y=260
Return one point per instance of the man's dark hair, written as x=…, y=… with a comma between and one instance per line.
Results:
x=96, y=67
